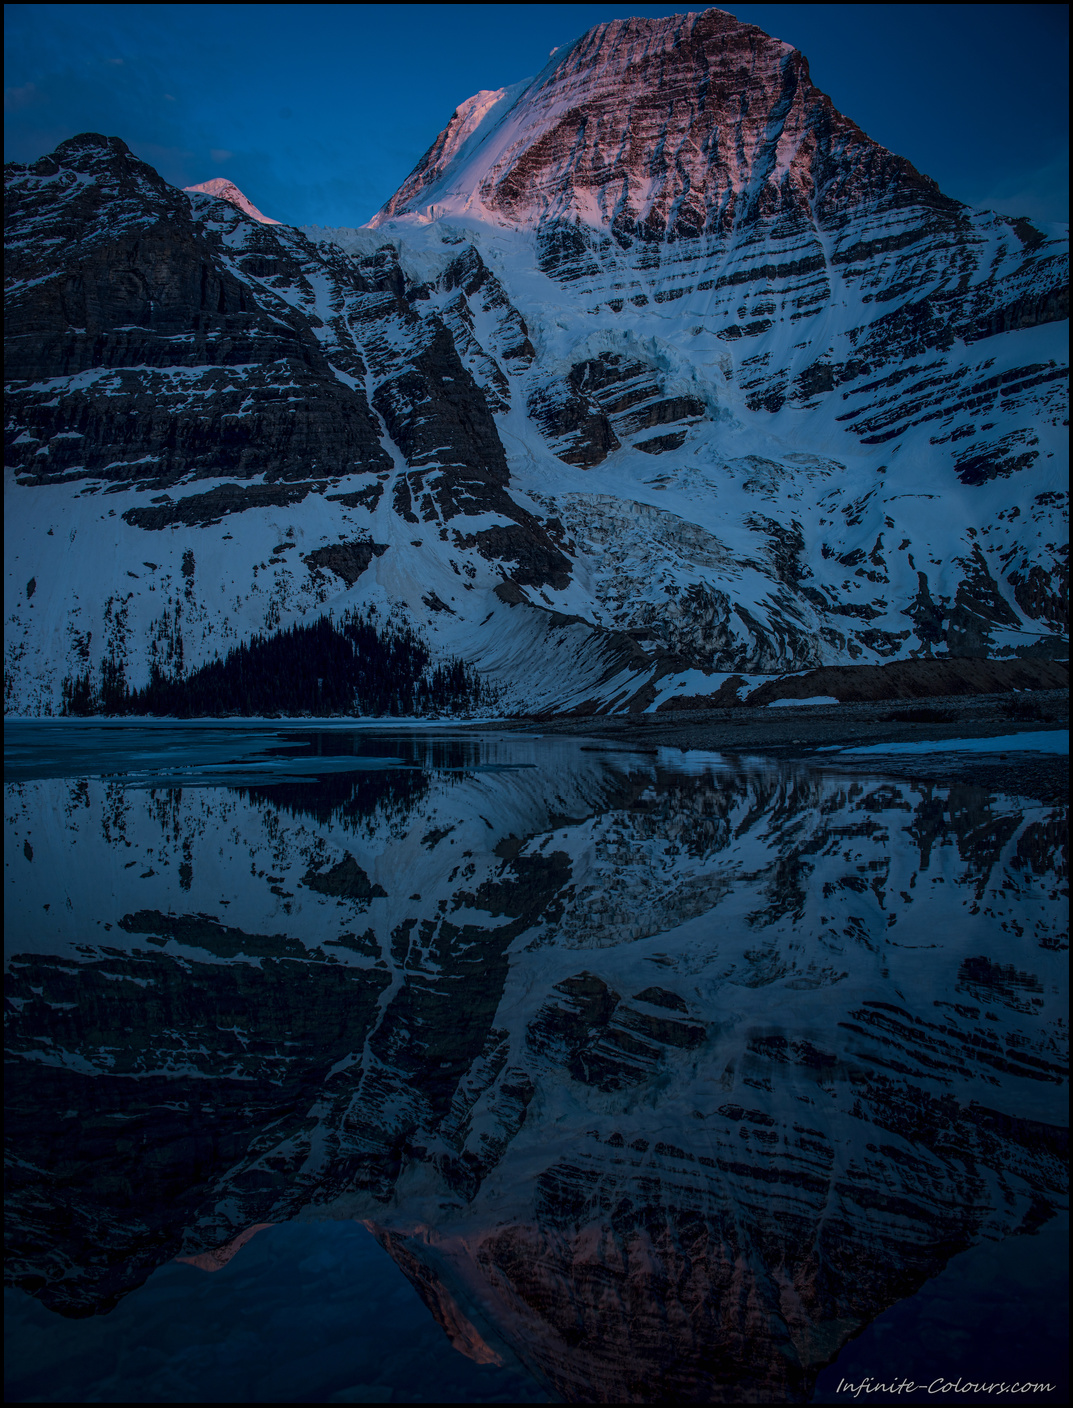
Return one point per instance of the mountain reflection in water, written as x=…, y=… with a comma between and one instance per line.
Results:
x=665, y=1074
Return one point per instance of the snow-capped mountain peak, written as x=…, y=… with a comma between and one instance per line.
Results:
x=224, y=189
x=673, y=125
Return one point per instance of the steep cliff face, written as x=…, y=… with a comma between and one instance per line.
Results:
x=204, y=370
x=656, y=369
x=690, y=190
x=659, y=1076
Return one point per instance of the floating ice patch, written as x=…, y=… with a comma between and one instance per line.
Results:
x=1054, y=741
x=815, y=699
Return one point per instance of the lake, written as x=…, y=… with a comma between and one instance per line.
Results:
x=428, y=1064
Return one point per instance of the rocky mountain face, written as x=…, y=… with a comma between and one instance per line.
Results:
x=653, y=1073
x=657, y=371
x=663, y=129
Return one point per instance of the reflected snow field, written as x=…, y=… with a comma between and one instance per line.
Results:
x=648, y=1076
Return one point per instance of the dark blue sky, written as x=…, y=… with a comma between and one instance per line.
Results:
x=318, y=112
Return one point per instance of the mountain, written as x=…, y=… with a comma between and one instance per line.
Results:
x=657, y=376
x=668, y=128
x=652, y=1072
x=227, y=190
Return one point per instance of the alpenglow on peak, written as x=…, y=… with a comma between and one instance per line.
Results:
x=224, y=189
x=673, y=126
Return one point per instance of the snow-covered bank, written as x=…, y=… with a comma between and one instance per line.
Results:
x=814, y=699
x=246, y=721
x=1055, y=741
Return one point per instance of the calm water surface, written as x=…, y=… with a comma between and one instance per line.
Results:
x=367, y=1066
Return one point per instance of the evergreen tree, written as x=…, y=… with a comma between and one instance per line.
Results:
x=348, y=667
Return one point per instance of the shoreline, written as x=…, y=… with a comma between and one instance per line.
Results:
x=808, y=731
x=816, y=725
x=825, y=727
x=815, y=734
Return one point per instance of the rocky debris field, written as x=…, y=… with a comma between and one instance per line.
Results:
x=899, y=679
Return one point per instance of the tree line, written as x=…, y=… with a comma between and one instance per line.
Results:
x=348, y=666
